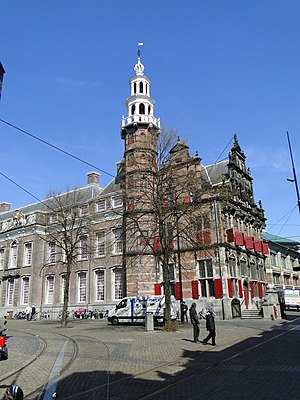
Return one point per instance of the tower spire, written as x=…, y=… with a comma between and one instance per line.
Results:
x=140, y=105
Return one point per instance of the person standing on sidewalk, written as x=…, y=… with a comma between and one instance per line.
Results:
x=211, y=327
x=195, y=322
x=28, y=312
x=184, y=310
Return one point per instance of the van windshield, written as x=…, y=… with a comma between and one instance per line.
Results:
x=122, y=303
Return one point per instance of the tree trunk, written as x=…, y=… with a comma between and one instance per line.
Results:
x=64, y=317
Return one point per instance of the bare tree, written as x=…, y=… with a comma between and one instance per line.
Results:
x=162, y=220
x=67, y=233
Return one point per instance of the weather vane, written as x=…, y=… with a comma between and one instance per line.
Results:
x=139, y=44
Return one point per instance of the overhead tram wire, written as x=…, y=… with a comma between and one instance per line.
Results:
x=56, y=148
x=223, y=151
x=25, y=190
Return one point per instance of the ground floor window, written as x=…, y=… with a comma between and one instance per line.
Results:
x=82, y=287
x=10, y=291
x=62, y=287
x=118, y=286
x=50, y=289
x=25, y=290
x=207, y=287
x=99, y=285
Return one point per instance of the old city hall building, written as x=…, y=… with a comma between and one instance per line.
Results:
x=163, y=207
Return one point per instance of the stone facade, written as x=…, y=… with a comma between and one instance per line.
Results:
x=32, y=268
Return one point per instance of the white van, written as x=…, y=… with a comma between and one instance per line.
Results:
x=134, y=309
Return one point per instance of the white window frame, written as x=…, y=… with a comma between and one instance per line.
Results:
x=84, y=209
x=83, y=248
x=206, y=277
x=53, y=218
x=117, y=240
x=10, y=292
x=62, y=287
x=100, y=285
x=2, y=257
x=25, y=290
x=117, y=202
x=117, y=283
x=82, y=286
x=101, y=247
x=28, y=253
x=13, y=256
x=50, y=282
x=101, y=205
x=51, y=252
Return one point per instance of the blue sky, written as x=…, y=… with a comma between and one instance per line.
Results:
x=216, y=67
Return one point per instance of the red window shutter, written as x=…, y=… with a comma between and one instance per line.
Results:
x=230, y=236
x=265, y=247
x=252, y=288
x=239, y=239
x=131, y=206
x=157, y=289
x=177, y=291
x=260, y=289
x=240, y=288
x=258, y=246
x=249, y=242
x=195, y=289
x=165, y=204
x=229, y=283
x=187, y=199
x=156, y=244
x=199, y=237
x=218, y=288
x=207, y=239
x=171, y=244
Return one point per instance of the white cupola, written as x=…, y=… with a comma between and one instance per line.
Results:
x=140, y=106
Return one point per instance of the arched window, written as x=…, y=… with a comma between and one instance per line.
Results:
x=133, y=109
x=142, y=108
x=141, y=87
x=134, y=87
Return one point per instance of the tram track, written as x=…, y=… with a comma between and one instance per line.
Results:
x=76, y=365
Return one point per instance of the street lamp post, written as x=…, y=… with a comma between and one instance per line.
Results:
x=294, y=172
x=179, y=270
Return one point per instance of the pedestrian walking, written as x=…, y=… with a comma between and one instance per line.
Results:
x=28, y=312
x=211, y=327
x=184, y=310
x=195, y=322
x=33, y=313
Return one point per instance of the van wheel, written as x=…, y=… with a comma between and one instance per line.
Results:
x=115, y=321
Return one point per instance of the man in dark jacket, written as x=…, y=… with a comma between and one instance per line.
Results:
x=195, y=322
x=211, y=327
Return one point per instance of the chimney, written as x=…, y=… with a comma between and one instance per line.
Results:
x=93, y=178
x=4, y=207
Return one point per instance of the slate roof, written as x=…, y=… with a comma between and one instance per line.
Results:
x=215, y=173
x=111, y=187
x=87, y=193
